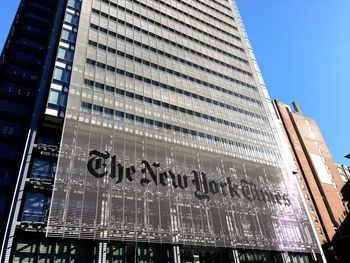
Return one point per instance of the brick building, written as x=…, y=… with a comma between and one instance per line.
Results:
x=323, y=183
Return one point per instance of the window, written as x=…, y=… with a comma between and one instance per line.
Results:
x=97, y=109
x=5, y=176
x=13, y=107
x=68, y=35
x=42, y=169
x=7, y=130
x=65, y=54
x=321, y=169
x=74, y=3
x=53, y=97
x=15, y=89
x=61, y=74
x=8, y=151
x=35, y=207
x=3, y=201
x=57, y=98
x=70, y=18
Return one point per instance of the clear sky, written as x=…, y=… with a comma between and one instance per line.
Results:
x=7, y=13
x=303, y=50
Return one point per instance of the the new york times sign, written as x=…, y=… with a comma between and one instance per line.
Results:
x=203, y=187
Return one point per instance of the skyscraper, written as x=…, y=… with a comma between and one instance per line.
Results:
x=159, y=131
x=25, y=65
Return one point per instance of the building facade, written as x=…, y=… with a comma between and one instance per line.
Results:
x=344, y=171
x=24, y=73
x=324, y=183
x=154, y=141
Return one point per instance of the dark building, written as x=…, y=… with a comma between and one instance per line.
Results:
x=142, y=131
x=26, y=65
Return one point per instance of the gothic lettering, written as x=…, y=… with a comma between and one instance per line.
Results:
x=286, y=199
x=114, y=169
x=163, y=179
x=152, y=173
x=201, y=187
x=97, y=164
x=223, y=188
x=214, y=187
x=233, y=188
x=278, y=198
x=246, y=190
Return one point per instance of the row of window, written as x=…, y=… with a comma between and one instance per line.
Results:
x=171, y=30
x=57, y=98
x=26, y=57
x=14, y=108
x=196, y=29
x=193, y=51
x=15, y=89
x=23, y=74
x=40, y=21
x=163, y=53
x=45, y=250
x=176, y=73
x=230, y=24
x=36, y=204
x=9, y=128
x=238, y=95
x=34, y=31
x=253, y=256
x=185, y=14
x=177, y=90
x=217, y=2
x=44, y=7
x=33, y=45
x=175, y=107
x=85, y=106
x=8, y=152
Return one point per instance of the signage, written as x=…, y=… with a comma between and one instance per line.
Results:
x=120, y=186
x=203, y=187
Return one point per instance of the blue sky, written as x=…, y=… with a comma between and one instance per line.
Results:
x=7, y=12
x=303, y=50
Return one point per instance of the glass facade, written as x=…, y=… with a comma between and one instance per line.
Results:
x=168, y=136
x=157, y=142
